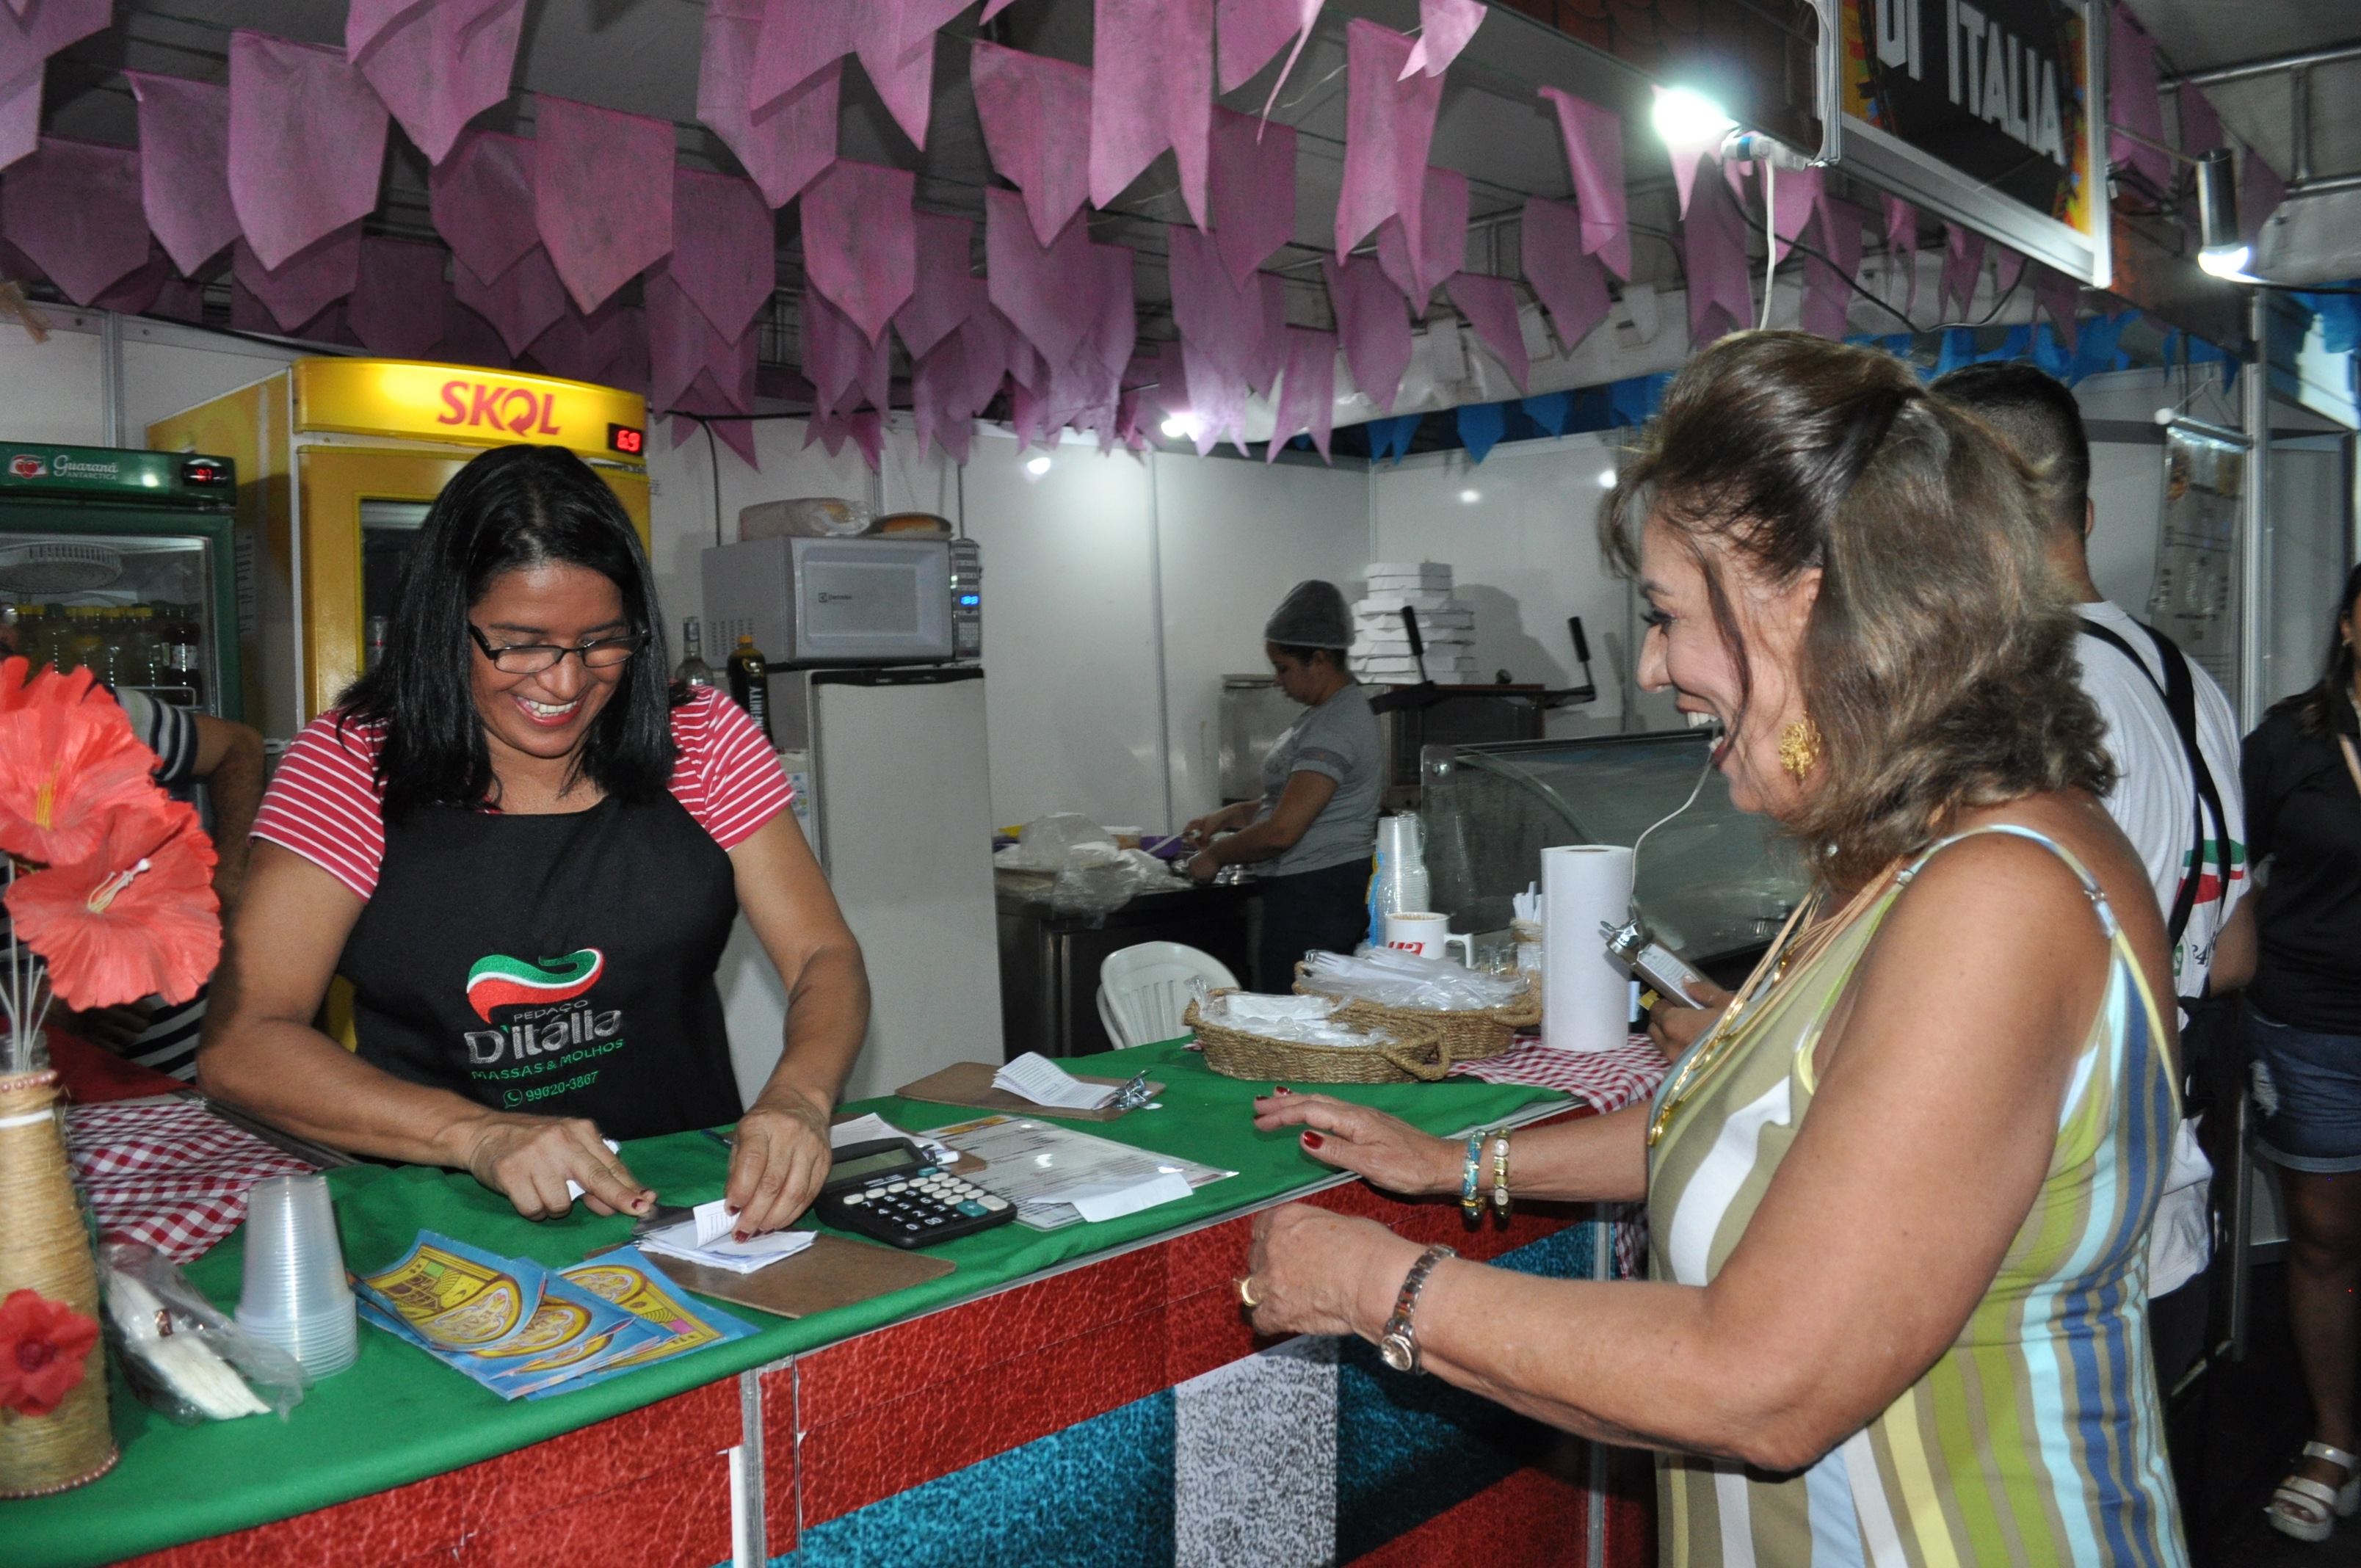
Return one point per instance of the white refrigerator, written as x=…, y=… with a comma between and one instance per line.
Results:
x=899, y=812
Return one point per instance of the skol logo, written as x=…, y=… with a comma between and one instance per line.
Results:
x=518, y=409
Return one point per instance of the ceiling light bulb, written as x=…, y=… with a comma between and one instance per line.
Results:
x=1181, y=427
x=1607, y=477
x=1685, y=118
x=1037, y=467
x=1469, y=497
x=2226, y=261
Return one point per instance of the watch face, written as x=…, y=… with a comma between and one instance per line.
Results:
x=1398, y=1351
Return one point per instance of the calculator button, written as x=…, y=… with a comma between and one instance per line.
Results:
x=993, y=1204
x=935, y=1221
x=854, y=1197
x=972, y=1210
x=929, y=1170
x=896, y=1186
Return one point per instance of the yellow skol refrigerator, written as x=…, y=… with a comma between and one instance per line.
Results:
x=337, y=461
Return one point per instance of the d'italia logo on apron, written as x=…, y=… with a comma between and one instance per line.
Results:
x=541, y=1034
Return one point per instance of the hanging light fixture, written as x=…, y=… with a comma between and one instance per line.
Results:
x=1689, y=121
x=2220, y=249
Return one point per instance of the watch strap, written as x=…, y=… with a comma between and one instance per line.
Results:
x=1398, y=1342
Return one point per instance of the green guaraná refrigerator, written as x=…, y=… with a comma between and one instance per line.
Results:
x=123, y=562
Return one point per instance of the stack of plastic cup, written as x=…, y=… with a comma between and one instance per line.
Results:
x=295, y=1295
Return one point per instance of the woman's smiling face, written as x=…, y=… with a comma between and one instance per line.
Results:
x=546, y=714
x=1686, y=651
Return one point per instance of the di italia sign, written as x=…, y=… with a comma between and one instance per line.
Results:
x=1986, y=112
x=467, y=406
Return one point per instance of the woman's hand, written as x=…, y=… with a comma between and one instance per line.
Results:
x=529, y=1160
x=1676, y=1028
x=115, y=1029
x=1313, y=1272
x=779, y=1160
x=1204, y=867
x=1388, y=1151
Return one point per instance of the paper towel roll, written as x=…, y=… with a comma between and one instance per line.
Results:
x=1586, y=993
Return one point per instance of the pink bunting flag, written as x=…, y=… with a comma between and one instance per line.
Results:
x=2132, y=101
x=184, y=166
x=1034, y=285
x=74, y=207
x=1254, y=31
x=1491, y=306
x=844, y=365
x=522, y=302
x=2260, y=192
x=1307, y=397
x=1151, y=87
x=1444, y=222
x=944, y=291
x=1269, y=358
x=860, y=248
x=180, y=301
x=601, y=194
x=467, y=338
x=480, y=199
x=437, y=65
x=2008, y=266
x=1114, y=331
x=1685, y=167
x=2201, y=127
x=894, y=39
x=29, y=34
x=937, y=400
x=1828, y=284
x=986, y=344
x=1593, y=151
x=306, y=143
x=683, y=350
x=2061, y=297
x=1444, y=28
x=1713, y=247
x=1374, y=326
x=396, y=308
x=135, y=292
x=785, y=146
x=1963, y=267
x=725, y=254
x=1036, y=114
x=1250, y=190
x=628, y=368
x=1571, y=285
x=308, y=283
x=581, y=347
x=1388, y=126
x=1902, y=246
x=1796, y=197
x=1223, y=323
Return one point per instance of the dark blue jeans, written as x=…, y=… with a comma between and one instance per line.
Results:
x=2308, y=1089
x=1328, y=909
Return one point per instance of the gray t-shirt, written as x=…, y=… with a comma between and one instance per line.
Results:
x=1339, y=740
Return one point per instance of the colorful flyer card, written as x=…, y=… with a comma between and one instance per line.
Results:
x=456, y=1298
x=629, y=1281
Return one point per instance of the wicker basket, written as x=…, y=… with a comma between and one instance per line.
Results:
x=44, y=1248
x=1469, y=1036
x=1416, y=1055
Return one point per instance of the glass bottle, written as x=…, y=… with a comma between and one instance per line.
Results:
x=142, y=649
x=82, y=647
x=373, y=642
x=179, y=670
x=750, y=684
x=694, y=671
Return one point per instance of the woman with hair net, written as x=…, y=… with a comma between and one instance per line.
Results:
x=1316, y=827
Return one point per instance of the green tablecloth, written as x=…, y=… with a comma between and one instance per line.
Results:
x=398, y=1417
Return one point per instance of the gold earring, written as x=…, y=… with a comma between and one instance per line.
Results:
x=1799, y=747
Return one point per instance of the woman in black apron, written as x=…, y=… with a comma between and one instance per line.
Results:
x=524, y=848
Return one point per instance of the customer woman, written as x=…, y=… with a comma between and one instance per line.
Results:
x=1899, y=1195
x=1314, y=828
x=523, y=847
x=2302, y=768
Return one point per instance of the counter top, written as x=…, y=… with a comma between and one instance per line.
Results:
x=398, y=1417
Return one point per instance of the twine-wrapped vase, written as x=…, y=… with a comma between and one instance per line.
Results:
x=44, y=1249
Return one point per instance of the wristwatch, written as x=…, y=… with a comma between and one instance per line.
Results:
x=1398, y=1342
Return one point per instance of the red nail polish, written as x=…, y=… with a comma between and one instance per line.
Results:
x=1281, y=1089
x=1312, y=1140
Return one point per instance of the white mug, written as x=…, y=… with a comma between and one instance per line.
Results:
x=1427, y=934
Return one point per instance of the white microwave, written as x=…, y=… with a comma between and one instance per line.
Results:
x=816, y=602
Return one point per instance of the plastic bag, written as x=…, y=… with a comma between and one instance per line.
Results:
x=1064, y=840
x=184, y=1357
x=1302, y=1020
x=1393, y=979
x=806, y=516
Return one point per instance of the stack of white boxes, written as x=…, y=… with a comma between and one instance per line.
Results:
x=1381, y=654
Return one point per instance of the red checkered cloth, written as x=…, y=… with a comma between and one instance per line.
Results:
x=172, y=1175
x=1609, y=1079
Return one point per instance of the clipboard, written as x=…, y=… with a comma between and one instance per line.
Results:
x=969, y=1084
x=834, y=1271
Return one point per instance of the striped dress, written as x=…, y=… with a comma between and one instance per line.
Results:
x=2037, y=1437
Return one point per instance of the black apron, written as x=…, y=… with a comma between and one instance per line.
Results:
x=559, y=966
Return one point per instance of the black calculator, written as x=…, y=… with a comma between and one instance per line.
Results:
x=889, y=1190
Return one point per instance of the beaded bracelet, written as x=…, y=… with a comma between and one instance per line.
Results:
x=1501, y=1177
x=1471, y=1202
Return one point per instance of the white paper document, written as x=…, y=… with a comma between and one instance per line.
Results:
x=680, y=1241
x=1035, y=1077
x=574, y=1187
x=871, y=1127
x=1058, y=1176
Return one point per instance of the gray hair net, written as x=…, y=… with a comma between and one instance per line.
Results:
x=1313, y=615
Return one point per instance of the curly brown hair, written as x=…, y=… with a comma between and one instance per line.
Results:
x=1938, y=660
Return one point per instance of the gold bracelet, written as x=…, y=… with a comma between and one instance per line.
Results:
x=1500, y=1178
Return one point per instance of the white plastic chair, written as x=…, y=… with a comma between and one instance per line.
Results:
x=1143, y=990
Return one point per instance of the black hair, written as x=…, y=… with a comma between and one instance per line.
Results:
x=2315, y=707
x=514, y=507
x=1305, y=654
x=2038, y=418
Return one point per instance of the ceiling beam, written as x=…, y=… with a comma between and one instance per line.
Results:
x=2272, y=67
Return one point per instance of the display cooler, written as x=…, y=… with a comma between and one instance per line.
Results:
x=336, y=462
x=1715, y=882
x=121, y=562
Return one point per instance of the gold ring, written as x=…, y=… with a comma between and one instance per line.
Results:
x=1246, y=1291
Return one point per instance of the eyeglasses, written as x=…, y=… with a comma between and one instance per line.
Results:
x=533, y=658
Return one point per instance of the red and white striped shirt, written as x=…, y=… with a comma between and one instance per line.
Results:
x=325, y=805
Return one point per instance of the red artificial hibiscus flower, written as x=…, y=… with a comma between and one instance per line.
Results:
x=136, y=917
x=43, y=1347
x=68, y=759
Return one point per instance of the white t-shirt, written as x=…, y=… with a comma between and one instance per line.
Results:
x=2154, y=802
x=2155, y=799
